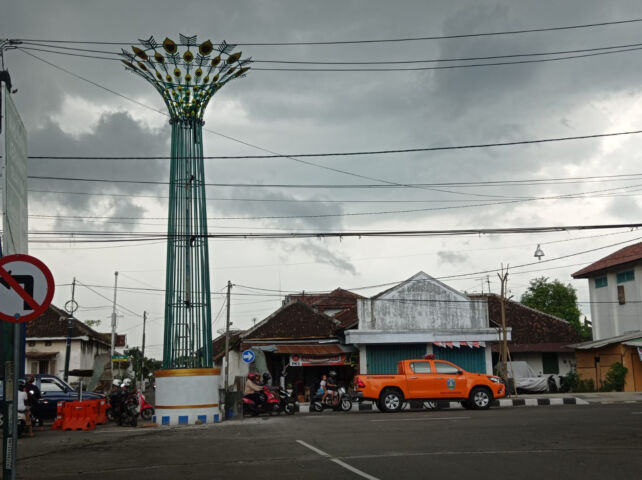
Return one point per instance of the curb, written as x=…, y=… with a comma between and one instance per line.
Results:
x=448, y=405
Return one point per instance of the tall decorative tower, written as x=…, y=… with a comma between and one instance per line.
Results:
x=186, y=78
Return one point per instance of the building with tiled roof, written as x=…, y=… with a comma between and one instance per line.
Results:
x=615, y=291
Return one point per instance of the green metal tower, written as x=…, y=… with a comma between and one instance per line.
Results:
x=187, y=77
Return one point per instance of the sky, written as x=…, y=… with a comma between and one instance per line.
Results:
x=83, y=106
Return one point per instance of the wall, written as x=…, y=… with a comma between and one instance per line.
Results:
x=588, y=368
x=82, y=354
x=428, y=305
x=609, y=318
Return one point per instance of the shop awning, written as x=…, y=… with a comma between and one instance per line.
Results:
x=40, y=355
x=333, y=349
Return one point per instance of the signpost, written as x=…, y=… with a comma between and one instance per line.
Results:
x=248, y=356
x=26, y=290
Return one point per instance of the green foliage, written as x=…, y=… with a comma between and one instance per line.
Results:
x=147, y=365
x=615, y=378
x=572, y=382
x=93, y=323
x=555, y=298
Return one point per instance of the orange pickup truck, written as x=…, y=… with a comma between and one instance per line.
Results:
x=429, y=380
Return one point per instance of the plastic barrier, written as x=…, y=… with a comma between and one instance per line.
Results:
x=57, y=425
x=79, y=415
x=100, y=411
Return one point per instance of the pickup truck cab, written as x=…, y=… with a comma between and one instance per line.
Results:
x=53, y=390
x=429, y=379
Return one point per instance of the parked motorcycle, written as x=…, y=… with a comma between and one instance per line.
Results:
x=287, y=402
x=269, y=404
x=146, y=409
x=123, y=407
x=342, y=402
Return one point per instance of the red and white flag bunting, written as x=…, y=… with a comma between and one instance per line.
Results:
x=474, y=344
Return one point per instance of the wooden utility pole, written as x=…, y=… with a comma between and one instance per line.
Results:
x=503, y=351
x=142, y=354
x=227, y=345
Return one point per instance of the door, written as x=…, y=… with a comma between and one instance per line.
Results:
x=420, y=380
x=448, y=381
x=382, y=359
x=469, y=359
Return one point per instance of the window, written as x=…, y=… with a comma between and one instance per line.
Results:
x=420, y=367
x=443, y=367
x=50, y=385
x=600, y=282
x=47, y=343
x=31, y=343
x=625, y=276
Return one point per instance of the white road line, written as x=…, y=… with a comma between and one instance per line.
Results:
x=415, y=419
x=337, y=461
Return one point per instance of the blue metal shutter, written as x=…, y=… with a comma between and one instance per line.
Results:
x=382, y=359
x=470, y=359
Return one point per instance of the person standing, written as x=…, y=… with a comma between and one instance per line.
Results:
x=33, y=398
x=23, y=407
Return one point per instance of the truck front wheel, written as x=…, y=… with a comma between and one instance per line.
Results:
x=390, y=400
x=480, y=398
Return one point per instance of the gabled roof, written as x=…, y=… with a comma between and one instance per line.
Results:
x=621, y=257
x=347, y=318
x=294, y=320
x=336, y=299
x=532, y=330
x=421, y=277
x=218, y=344
x=607, y=341
x=49, y=325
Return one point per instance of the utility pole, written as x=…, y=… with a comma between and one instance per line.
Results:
x=70, y=307
x=113, y=327
x=142, y=361
x=227, y=341
x=503, y=369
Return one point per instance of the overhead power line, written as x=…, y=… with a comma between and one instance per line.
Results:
x=355, y=153
x=381, y=40
x=388, y=69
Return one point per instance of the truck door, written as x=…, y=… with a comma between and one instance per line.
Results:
x=418, y=379
x=448, y=379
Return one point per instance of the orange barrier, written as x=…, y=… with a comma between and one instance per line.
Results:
x=79, y=415
x=100, y=411
x=57, y=425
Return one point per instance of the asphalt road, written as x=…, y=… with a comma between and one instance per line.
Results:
x=565, y=442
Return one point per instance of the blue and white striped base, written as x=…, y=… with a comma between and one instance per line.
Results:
x=168, y=420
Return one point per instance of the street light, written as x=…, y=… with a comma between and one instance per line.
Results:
x=539, y=253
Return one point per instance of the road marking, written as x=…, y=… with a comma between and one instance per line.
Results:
x=414, y=419
x=337, y=461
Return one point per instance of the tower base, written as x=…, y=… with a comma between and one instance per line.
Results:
x=187, y=396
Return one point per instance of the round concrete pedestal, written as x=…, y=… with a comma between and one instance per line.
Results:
x=186, y=396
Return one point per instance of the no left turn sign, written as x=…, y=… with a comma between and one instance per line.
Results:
x=26, y=288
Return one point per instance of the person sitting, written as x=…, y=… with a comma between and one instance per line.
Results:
x=332, y=386
x=253, y=389
x=322, y=388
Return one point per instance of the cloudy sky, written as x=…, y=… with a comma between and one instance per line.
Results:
x=79, y=109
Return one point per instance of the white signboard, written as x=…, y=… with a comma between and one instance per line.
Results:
x=14, y=180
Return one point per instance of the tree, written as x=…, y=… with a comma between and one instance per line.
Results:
x=555, y=298
x=146, y=365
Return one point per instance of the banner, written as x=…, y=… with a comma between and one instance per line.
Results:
x=640, y=353
x=313, y=361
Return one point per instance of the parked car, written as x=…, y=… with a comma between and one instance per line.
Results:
x=429, y=380
x=54, y=390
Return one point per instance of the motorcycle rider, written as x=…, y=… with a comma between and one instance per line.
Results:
x=253, y=389
x=33, y=396
x=331, y=387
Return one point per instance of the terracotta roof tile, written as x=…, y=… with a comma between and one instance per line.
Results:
x=622, y=256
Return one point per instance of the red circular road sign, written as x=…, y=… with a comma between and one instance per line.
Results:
x=26, y=288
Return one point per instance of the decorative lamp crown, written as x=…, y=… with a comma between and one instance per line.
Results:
x=539, y=253
x=186, y=77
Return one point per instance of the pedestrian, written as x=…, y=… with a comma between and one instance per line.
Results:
x=33, y=398
x=23, y=407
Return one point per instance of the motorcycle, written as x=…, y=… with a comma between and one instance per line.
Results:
x=342, y=402
x=287, y=402
x=123, y=407
x=146, y=409
x=22, y=424
x=269, y=404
